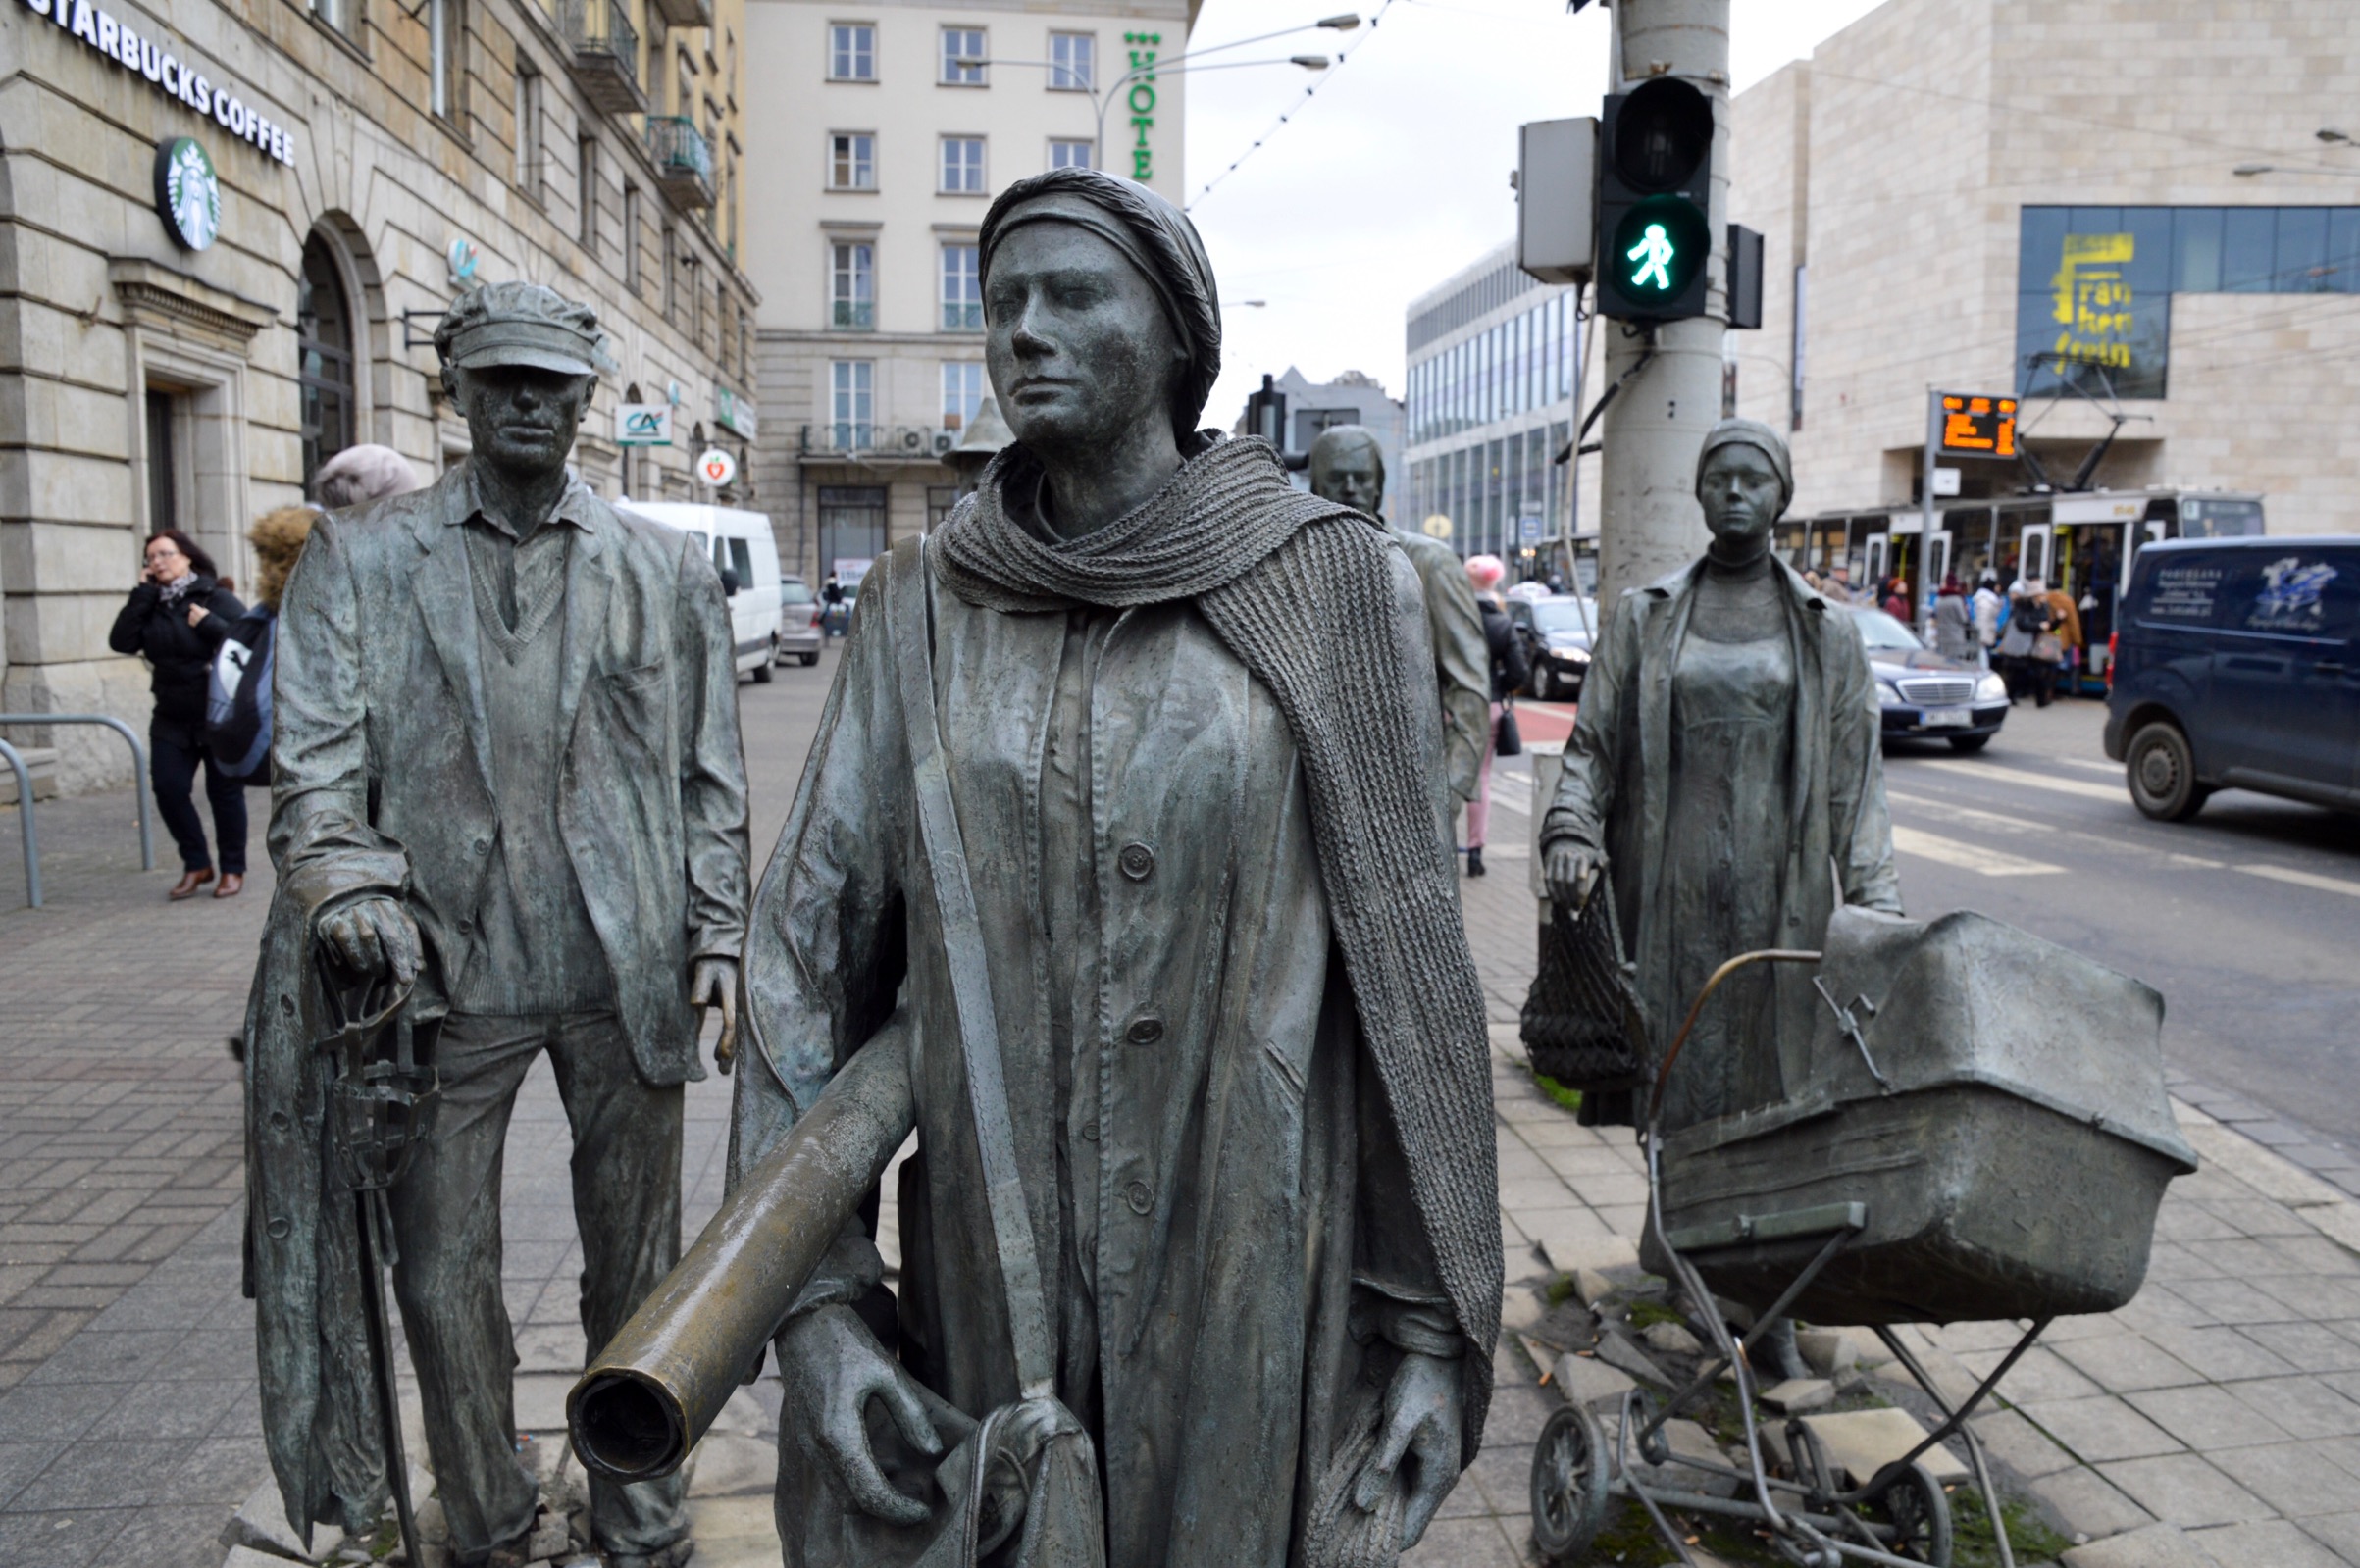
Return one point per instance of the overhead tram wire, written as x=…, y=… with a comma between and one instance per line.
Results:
x=1322, y=81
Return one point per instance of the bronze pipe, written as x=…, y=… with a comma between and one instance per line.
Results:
x=656, y=1388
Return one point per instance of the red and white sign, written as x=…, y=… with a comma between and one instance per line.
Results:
x=716, y=467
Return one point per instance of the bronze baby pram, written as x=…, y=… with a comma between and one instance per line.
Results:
x=1976, y=1129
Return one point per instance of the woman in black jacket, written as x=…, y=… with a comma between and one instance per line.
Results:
x=175, y=619
x=1510, y=670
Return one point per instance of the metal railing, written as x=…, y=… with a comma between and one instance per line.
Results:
x=962, y=316
x=853, y=316
x=679, y=147
x=600, y=27
x=25, y=826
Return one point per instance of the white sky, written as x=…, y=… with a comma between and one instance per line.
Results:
x=1395, y=175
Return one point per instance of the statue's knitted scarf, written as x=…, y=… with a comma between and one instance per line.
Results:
x=1302, y=592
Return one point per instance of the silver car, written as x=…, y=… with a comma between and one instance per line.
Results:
x=798, y=620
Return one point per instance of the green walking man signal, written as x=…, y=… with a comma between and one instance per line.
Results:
x=1651, y=253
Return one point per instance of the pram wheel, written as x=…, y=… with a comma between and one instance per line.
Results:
x=1918, y=1514
x=1569, y=1485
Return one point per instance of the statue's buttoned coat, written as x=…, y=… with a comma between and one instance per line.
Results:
x=1251, y=1194
x=381, y=784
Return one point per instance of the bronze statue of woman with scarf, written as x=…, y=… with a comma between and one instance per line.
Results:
x=1186, y=717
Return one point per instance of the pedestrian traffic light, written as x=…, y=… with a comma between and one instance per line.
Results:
x=1655, y=175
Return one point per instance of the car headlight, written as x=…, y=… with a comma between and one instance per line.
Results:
x=1991, y=689
x=1887, y=693
x=1573, y=655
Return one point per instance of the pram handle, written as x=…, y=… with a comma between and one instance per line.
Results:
x=1767, y=955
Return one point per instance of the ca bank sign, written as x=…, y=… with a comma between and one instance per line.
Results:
x=168, y=73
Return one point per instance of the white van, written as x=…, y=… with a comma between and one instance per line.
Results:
x=747, y=555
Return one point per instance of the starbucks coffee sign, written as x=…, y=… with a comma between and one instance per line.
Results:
x=152, y=60
x=188, y=195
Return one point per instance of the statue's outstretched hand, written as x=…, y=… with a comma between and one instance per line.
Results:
x=1422, y=1422
x=1573, y=871
x=832, y=1367
x=371, y=938
x=713, y=983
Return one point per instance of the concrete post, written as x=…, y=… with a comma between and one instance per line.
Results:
x=1649, y=522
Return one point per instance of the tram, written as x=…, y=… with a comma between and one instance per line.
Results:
x=2082, y=542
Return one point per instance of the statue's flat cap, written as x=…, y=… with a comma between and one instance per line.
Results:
x=518, y=323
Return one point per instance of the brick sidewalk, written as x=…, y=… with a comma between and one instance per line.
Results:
x=2219, y=1414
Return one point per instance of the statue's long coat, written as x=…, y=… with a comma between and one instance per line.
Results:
x=1252, y=1190
x=381, y=784
x=1615, y=792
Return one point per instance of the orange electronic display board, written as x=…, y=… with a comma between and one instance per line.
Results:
x=1977, y=426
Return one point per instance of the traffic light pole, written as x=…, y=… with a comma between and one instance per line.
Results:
x=1649, y=520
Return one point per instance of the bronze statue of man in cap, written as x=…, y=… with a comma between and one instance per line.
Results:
x=1347, y=466
x=506, y=782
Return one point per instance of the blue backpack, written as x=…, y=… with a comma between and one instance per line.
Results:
x=237, y=701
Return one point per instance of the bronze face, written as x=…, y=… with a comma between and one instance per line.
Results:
x=1080, y=350
x=1740, y=491
x=523, y=419
x=1348, y=469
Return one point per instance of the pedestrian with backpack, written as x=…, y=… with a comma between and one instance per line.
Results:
x=167, y=621
x=238, y=709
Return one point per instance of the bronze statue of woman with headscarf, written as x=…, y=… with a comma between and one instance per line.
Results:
x=1185, y=713
x=1725, y=775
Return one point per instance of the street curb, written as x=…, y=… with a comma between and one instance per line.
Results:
x=2324, y=1208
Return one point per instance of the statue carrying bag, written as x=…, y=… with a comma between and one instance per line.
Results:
x=1022, y=1488
x=1581, y=1024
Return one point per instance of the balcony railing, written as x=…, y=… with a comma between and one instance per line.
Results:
x=684, y=161
x=605, y=54
x=853, y=316
x=962, y=317
x=902, y=443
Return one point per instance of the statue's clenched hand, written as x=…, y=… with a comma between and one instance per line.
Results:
x=1421, y=1422
x=832, y=1367
x=371, y=938
x=713, y=983
x=1571, y=871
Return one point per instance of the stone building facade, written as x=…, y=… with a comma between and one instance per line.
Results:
x=1955, y=193
x=228, y=229
x=889, y=128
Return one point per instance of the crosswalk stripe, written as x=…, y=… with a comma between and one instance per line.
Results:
x=2030, y=780
x=2303, y=878
x=1990, y=820
x=1967, y=857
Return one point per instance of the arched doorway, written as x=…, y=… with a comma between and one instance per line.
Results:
x=324, y=357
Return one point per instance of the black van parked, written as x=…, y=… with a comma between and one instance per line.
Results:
x=2237, y=664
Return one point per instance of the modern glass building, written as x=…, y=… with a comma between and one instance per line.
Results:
x=1492, y=357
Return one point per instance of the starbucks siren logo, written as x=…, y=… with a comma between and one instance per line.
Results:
x=188, y=195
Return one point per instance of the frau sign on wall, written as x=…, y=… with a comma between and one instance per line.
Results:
x=145, y=57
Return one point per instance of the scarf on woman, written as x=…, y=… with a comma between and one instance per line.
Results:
x=1302, y=592
x=177, y=588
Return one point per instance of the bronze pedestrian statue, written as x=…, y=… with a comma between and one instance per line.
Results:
x=1348, y=467
x=507, y=787
x=1140, y=748
x=1725, y=777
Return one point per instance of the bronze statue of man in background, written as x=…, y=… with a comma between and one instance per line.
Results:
x=507, y=783
x=1348, y=467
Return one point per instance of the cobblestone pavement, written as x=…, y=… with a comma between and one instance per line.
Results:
x=2214, y=1421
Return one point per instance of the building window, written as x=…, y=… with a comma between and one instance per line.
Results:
x=853, y=161
x=962, y=391
x=852, y=285
x=631, y=237
x=586, y=185
x=962, y=288
x=852, y=404
x=852, y=527
x=528, y=130
x=852, y=52
x=962, y=166
x=962, y=57
x=671, y=273
x=1072, y=62
x=443, y=30
x=1069, y=154
x=342, y=15
x=322, y=358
